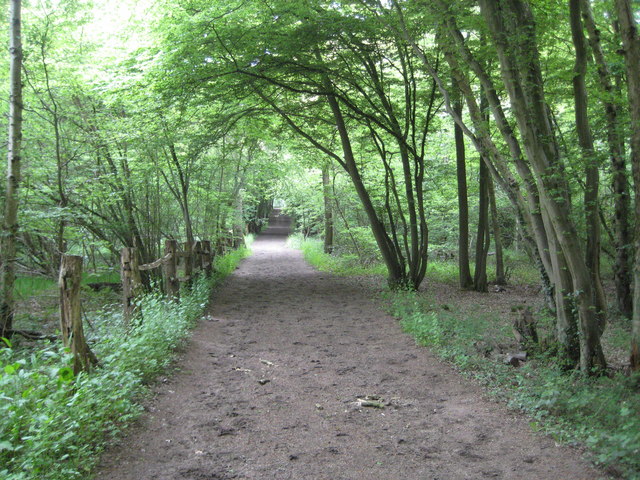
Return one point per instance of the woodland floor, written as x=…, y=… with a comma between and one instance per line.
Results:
x=268, y=388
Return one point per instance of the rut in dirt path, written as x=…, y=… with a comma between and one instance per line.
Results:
x=269, y=388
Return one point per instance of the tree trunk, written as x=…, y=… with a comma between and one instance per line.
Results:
x=10, y=224
x=238, y=221
x=585, y=139
x=566, y=317
x=528, y=210
x=497, y=236
x=631, y=45
x=396, y=273
x=620, y=186
x=131, y=282
x=170, y=270
x=463, y=203
x=513, y=30
x=328, y=213
x=182, y=195
x=71, y=314
x=482, y=238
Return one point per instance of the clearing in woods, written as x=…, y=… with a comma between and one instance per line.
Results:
x=298, y=374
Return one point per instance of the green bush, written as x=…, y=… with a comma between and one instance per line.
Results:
x=53, y=423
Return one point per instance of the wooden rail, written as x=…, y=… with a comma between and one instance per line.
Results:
x=195, y=257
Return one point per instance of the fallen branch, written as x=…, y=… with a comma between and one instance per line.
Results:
x=31, y=335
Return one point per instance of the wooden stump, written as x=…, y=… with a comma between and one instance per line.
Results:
x=71, y=315
x=524, y=329
x=170, y=268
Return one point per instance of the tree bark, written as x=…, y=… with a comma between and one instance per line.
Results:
x=585, y=139
x=631, y=45
x=396, y=273
x=238, y=220
x=497, y=236
x=131, y=282
x=482, y=238
x=71, y=314
x=170, y=270
x=513, y=30
x=328, y=213
x=620, y=185
x=528, y=210
x=463, y=202
x=10, y=224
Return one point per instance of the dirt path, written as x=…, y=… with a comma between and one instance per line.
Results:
x=269, y=384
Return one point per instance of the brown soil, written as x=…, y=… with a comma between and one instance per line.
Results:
x=269, y=388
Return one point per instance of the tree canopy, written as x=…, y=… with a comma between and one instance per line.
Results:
x=191, y=118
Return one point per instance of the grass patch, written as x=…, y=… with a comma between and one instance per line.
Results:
x=101, y=277
x=312, y=249
x=32, y=285
x=29, y=286
x=518, y=266
x=52, y=424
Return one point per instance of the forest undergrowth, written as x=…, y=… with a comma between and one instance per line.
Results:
x=598, y=414
x=54, y=423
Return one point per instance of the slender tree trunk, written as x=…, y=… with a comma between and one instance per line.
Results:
x=482, y=239
x=497, y=236
x=10, y=224
x=631, y=45
x=463, y=202
x=62, y=202
x=238, y=221
x=528, y=210
x=585, y=139
x=620, y=185
x=397, y=275
x=328, y=212
x=566, y=318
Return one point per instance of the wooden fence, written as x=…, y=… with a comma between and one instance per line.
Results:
x=195, y=257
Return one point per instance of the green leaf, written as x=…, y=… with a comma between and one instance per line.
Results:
x=12, y=368
x=6, y=445
x=65, y=374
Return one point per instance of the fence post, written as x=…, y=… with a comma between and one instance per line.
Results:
x=71, y=315
x=208, y=257
x=198, y=260
x=188, y=261
x=172, y=284
x=131, y=281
